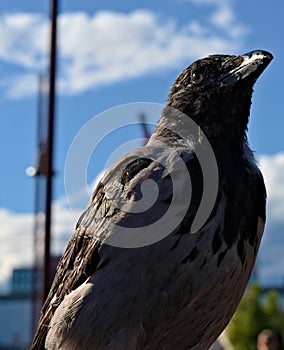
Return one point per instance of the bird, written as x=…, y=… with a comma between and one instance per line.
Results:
x=130, y=279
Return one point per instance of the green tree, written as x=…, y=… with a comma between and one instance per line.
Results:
x=255, y=312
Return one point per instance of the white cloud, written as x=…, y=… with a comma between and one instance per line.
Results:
x=271, y=259
x=111, y=46
x=273, y=170
x=23, y=38
x=20, y=85
x=118, y=46
x=224, y=17
x=16, y=240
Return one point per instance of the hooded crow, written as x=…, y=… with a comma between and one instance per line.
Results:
x=162, y=255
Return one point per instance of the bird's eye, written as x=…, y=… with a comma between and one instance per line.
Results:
x=197, y=77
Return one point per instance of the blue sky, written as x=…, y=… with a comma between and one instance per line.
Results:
x=113, y=53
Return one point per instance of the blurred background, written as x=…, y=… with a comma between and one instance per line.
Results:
x=111, y=53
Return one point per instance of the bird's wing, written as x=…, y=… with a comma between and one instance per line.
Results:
x=120, y=185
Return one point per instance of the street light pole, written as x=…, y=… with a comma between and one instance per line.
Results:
x=49, y=176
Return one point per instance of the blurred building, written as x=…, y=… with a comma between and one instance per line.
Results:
x=16, y=308
x=15, y=311
x=15, y=321
x=24, y=280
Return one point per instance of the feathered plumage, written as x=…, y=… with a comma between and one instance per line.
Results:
x=180, y=291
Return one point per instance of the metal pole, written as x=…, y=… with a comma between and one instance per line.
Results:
x=51, y=110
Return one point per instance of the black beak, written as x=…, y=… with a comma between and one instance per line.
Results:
x=249, y=66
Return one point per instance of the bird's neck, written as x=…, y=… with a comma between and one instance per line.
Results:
x=179, y=129
x=222, y=119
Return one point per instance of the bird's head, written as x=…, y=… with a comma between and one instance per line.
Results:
x=216, y=92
